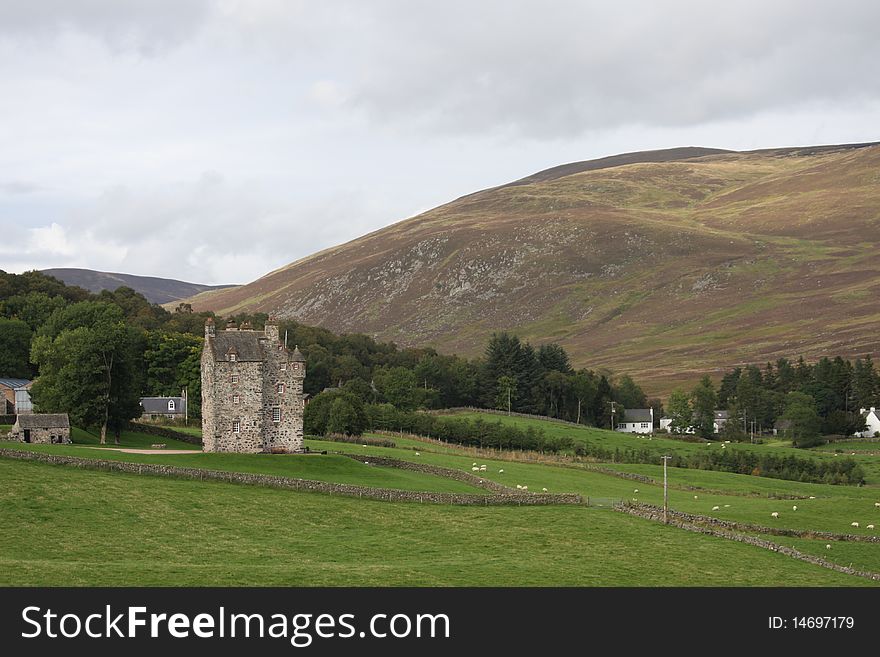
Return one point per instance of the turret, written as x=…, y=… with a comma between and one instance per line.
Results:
x=297, y=362
x=272, y=328
x=209, y=327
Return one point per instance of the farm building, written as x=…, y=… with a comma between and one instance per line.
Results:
x=872, y=422
x=158, y=408
x=637, y=420
x=252, y=391
x=15, y=397
x=49, y=428
x=719, y=419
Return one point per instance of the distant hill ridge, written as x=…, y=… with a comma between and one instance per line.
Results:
x=156, y=290
x=668, y=264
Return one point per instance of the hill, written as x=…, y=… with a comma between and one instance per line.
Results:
x=665, y=264
x=156, y=290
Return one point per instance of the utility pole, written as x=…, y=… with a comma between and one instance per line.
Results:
x=665, y=491
x=612, y=413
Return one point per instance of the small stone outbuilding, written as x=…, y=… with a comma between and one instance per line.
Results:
x=46, y=428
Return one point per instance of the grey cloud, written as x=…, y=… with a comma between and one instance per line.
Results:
x=147, y=26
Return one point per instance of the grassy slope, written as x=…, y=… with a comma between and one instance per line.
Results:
x=95, y=528
x=659, y=445
x=319, y=467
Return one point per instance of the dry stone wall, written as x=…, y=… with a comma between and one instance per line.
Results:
x=290, y=483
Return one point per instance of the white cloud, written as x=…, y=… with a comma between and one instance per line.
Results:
x=216, y=140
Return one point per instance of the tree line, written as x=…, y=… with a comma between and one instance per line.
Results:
x=805, y=401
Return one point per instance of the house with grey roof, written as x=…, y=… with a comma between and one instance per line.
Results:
x=46, y=428
x=637, y=420
x=159, y=408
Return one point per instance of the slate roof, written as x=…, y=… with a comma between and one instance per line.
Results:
x=637, y=415
x=296, y=356
x=43, y=421
x=246, y=345
x=14, y=383
x=160, y=404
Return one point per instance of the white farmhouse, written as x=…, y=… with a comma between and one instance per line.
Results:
x=872, y=423
x=637, y=420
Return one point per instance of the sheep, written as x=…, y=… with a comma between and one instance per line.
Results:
x=869, y=526
x=635, y=490
x=525, y=487
x=877, y=504
x=828, y=546
x=715, y=508
x=518, y=487
x=501, y=471
x=812, y=497
x=794, y=508
x=417, y=454
x=726, y=506
x=853, y=524
x=473, y=463
x=475, y=469
x=695, y=497
x=724, y=447
x=775, y=514
x=482, y=468
x=544, y=489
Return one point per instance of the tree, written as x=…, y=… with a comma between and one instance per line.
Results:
x=397, y=385
x=345, y=418
x=679, y=410
x=703, y=402
x=629, y=394
x=506, y=392
x=583, y=387
x=91, y=371
x=553, y=358
x=15, y=346
x=804, y=421
x=350, y=417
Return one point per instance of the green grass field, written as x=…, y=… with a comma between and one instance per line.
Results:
x=289, y=539
x=658, y=445
x=75, y=527
x=320, y=467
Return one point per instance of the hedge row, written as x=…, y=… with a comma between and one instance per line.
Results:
x=164, y=432
x=471, y=433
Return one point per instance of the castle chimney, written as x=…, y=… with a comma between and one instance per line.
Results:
x=209, y=327
x=272, y=329
x=231, y=325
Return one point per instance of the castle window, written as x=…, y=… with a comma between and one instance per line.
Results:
x=235, y=399
x=280, y=388
x=283, y=366
x=236, y=426
x=170, y=404
x=276, y=414
x=231, y=358
x=235, y=378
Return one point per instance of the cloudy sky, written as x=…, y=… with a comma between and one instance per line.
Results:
x=215, y=140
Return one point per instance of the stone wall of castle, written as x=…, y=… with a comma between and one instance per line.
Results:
x=261, y=392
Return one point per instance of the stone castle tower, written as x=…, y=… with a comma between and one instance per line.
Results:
x=252, y=391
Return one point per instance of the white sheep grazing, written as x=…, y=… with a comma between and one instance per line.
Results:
x=726, y=506
x=635, y=490
x=715, y=508
x=775, y=514
x=417, y=454
x=473, y=463
x=475, y=469
x=854, y=524
x=518, y=486
x=544, y=489
x=525, y=487
x=877, y=504
x=482, y=468
x=869, y=526
x=828, y=546
x=812, y=497
x=695, y=497
x=501, y=471
x=794, y=508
